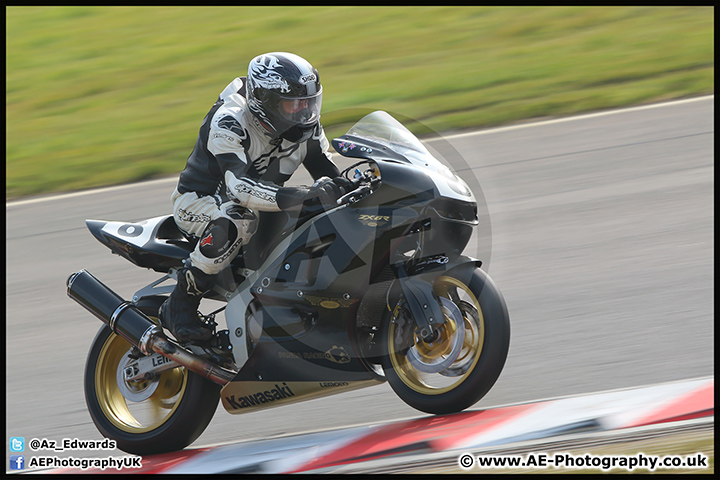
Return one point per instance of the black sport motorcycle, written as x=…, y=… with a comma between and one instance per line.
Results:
x=332, y=299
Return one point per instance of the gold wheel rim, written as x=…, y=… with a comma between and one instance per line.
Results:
x=472, y=343
x=135, y=417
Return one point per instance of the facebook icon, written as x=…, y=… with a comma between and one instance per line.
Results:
x=17, y=462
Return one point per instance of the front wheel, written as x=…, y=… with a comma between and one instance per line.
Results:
x=144, y=417
x=464, y=360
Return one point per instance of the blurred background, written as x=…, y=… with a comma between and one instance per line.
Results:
x=108, y=95
x=602, y=225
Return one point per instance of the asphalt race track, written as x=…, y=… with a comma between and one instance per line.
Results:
x=602, y=244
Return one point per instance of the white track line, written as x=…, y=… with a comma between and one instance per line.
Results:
x=174, y=179
x=581, y=117
x=63, y=196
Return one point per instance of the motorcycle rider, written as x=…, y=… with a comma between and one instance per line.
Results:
x=258, y=132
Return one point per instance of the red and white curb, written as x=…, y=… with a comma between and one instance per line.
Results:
x=599, y=412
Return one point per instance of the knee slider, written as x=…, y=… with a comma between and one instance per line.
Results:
x=218, y=238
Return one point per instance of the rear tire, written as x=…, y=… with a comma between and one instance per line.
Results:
x=175, y=415
x=468, y=372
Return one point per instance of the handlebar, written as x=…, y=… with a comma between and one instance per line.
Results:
x=364, y=184
x=355, y=195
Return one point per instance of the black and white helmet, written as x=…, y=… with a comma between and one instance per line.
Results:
x=285, y=95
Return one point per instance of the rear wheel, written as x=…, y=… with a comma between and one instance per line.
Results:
x=163, y=414
x=464, y=360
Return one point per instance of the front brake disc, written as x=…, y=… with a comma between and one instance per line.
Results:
x=426, y=364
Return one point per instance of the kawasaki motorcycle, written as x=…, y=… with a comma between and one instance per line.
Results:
x=374, y=288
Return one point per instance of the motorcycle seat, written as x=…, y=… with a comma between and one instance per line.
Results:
x=155, y=243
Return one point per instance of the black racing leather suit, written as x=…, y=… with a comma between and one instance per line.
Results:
x=234, y=154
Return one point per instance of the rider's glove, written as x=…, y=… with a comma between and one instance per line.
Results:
x=323, y=192
x=345, y=185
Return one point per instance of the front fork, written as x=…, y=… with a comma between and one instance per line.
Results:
x=423, y=304
x=416, y=283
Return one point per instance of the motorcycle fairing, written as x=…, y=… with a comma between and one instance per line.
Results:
x=156, y=243
x=246, y=397
x=321, y=362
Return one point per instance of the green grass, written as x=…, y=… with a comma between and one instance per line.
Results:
x=107, y=95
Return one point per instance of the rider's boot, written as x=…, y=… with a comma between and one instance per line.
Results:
x=179, y=312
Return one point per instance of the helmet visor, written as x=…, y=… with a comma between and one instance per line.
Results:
x=300, y=110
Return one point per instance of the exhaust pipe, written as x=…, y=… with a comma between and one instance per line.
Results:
x=127, y=321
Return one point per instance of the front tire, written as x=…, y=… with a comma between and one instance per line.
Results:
x=464, y=362
x=173, y=416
